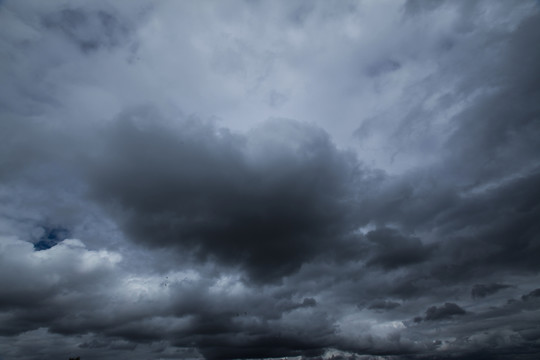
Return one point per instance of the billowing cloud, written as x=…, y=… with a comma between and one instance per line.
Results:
x=395, y=250
x=446, y=311
x=269, y=179
x=267, y=202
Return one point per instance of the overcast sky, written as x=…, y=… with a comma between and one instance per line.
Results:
x=255, y=179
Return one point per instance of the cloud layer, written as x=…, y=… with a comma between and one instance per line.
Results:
x=262, y=179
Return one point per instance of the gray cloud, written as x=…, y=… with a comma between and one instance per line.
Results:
x=384, y=305
x=268, y=202
x=483, y=290
x=394, y=250
x=532, y=295
x=263, y=179
x=446, y=311
x=88, y=30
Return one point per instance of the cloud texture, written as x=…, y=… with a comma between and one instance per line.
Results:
x=256, y=179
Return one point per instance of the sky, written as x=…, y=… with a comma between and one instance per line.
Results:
x=345, y=180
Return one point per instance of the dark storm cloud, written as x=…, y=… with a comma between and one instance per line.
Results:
x=533, y=295
x=269, y=202
x=482, y=199
x=384, y=305
x=257, y=341
x=483, y=290
x=502, y=228
x=275, y=241
x=393, y=250
x=496, y=134
x=446, y=311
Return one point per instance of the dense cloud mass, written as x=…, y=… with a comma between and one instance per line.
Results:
x=268, y=202
x=481, y=290
x=448, y=310
x=260, y=179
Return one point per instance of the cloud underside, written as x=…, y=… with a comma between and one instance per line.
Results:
x=130, y=228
